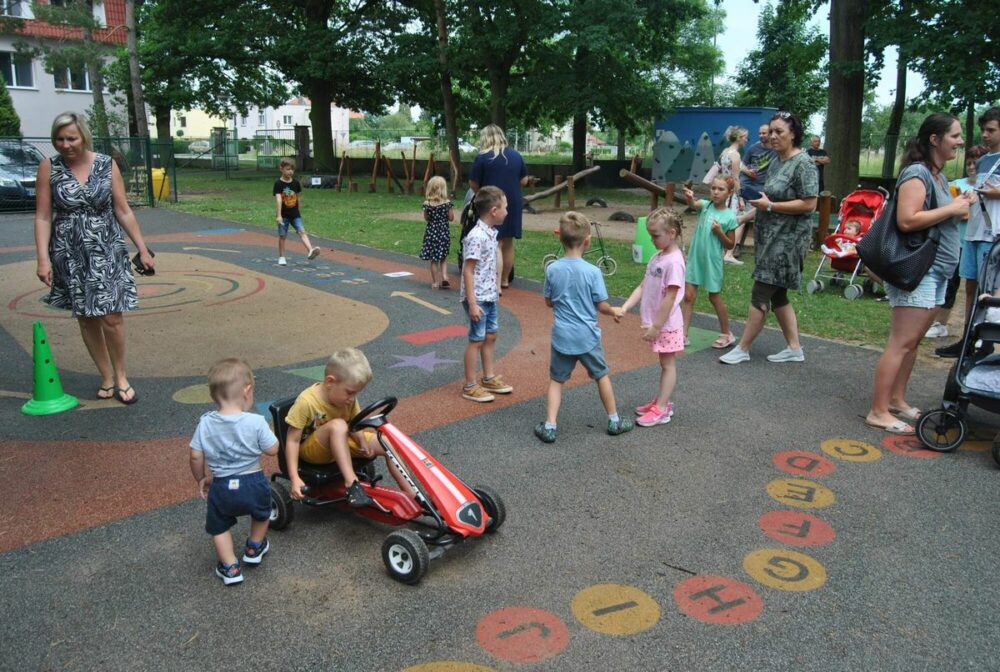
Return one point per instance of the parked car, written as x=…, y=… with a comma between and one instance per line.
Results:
x=18, y=169
x=466, y=147
x=199, y=147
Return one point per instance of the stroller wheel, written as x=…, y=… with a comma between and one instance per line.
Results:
x=814, y=286
x=852, y=292
x=942, y=429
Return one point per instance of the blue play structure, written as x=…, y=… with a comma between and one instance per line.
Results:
x=687, y=141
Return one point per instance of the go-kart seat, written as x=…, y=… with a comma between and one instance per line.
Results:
x=311, y=474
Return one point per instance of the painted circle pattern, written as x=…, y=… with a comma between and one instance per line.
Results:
x=782, y=569
x=796, y=528
x=718, y=599
x=800, y=493
x=614, y=609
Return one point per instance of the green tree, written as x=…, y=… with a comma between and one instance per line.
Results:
x=788, y=68
x=10, y=122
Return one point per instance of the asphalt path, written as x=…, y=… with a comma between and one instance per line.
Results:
x=646, y=551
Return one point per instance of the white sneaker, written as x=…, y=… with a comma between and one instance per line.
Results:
x=735, y=356
x=732, y=260
x=314, y=252
x=937, y=330
x=788, y=355
x=282, y=262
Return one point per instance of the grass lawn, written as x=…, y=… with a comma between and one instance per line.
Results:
x=368, y=219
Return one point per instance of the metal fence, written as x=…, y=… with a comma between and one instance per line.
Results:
x=147, y=168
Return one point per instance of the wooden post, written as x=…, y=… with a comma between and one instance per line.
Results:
x=825, y=208
x=570, y=193
x=413, y=170
x=559, y=180
x=669, y=198
x=634, y=166
x=390, y=177
x=352, y=186
x=377, y=160
x=429, y=171
x=340, y=173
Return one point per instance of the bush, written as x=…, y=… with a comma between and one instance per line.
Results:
x=10, y=123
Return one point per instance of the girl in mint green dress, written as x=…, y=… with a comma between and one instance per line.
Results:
x=713, y=235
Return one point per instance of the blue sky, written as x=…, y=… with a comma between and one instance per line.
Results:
x=740, y=37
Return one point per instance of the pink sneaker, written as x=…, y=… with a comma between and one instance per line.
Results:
x=655, y=416
x=644, y=409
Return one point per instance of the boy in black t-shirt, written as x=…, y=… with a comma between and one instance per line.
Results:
x=287, y=195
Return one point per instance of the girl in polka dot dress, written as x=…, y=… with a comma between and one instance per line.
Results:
x=438, y=212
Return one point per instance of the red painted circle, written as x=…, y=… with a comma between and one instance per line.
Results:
x=718, y=599
x=796, y=528
x=803, y=463
x=910, y=446
x=522, y=634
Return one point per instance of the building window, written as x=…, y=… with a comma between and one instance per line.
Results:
x=287, y=119
x=18, y=8
x=16, y=69
x=182, y=121
x=72, y=79
x=243, y=121
x=260, y=117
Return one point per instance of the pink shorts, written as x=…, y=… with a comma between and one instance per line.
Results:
x=669, y=341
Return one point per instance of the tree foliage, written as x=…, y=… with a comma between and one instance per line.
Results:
x=10, y=122
x=788, y=68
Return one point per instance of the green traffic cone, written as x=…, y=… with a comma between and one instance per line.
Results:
x=643, y=248
x=48, y=397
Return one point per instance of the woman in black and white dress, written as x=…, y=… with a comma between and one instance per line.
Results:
x=81, y=211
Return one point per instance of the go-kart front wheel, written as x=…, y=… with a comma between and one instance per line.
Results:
x=405, y=556
x=282, y=509
x=493, y=505
x=942, y=429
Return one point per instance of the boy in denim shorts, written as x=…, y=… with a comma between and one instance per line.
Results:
x=575, y=291
x=479, y=294
x=225, y=460
x=287, y=197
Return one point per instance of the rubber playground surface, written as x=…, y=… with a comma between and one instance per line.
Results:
x=764, y=528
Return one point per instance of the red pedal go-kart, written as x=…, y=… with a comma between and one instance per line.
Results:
x=447, y=509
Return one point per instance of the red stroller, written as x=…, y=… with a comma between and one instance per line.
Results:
x=857, y=212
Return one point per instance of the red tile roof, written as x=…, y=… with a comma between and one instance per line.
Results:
x=115, y=32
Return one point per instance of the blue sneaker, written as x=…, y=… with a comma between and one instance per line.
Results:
x=623, y=425
x=230, y=574
x=255, y=551
x=545, y=434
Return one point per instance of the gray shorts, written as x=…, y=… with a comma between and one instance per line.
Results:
x=561, y=365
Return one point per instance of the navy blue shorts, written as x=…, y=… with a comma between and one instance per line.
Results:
x=232, y=496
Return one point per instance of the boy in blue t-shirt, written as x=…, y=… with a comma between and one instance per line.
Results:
x=225, y=460
x=575, y=291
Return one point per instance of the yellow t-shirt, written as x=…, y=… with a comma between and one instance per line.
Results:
x=311, y=410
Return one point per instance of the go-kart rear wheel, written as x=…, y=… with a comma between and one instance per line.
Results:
x=494, y=507
x=942, y=429
x=405, y=556
x=607, y=265
x=548, y=259
x=282, y=506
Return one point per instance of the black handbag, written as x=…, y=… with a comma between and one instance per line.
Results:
x=897, y=257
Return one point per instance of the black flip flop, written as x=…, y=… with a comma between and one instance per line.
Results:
x=120, y=395
x=110, y=389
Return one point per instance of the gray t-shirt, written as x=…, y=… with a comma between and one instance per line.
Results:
x=757, y=157
x=948, y=245
x=232, y=444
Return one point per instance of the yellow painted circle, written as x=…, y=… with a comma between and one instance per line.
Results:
x=614, y=609
x=193, y=394
x=800, y=493
x=785, y=570
x=448, y=666
x=851, y=450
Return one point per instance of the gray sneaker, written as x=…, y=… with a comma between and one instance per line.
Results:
x=620, y=427
x=735, y=356
x=546, y=434
x=788, y=355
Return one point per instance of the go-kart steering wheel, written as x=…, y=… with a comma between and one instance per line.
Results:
x=372, y=415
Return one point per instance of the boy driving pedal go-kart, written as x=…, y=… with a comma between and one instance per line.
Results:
x=431, y=496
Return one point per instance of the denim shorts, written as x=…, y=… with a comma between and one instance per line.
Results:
x=294, y=223
x=973, y=257
x=232, y=496
x=561, y=365
x=928, y=294
x=487, y=323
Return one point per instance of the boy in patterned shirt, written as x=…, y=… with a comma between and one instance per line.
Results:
x=479, y=294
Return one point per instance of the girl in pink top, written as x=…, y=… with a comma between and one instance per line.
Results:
x=659, y=298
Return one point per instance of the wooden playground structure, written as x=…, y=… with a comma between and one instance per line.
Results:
x=382, y=164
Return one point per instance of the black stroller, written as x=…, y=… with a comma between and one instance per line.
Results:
x=975, y=377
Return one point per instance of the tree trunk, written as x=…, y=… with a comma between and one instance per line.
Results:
x=970, y=126
x=162, y=114
x=579, y=141
x=499, y=83
x=138, y=100
x=322, y=97
x=845, y=102
x=621, y=145
x=895, y=119
x=447, y=93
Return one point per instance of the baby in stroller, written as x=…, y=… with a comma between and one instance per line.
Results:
x=845, y=243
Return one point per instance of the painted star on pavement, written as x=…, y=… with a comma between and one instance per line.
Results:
x=425, y=361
